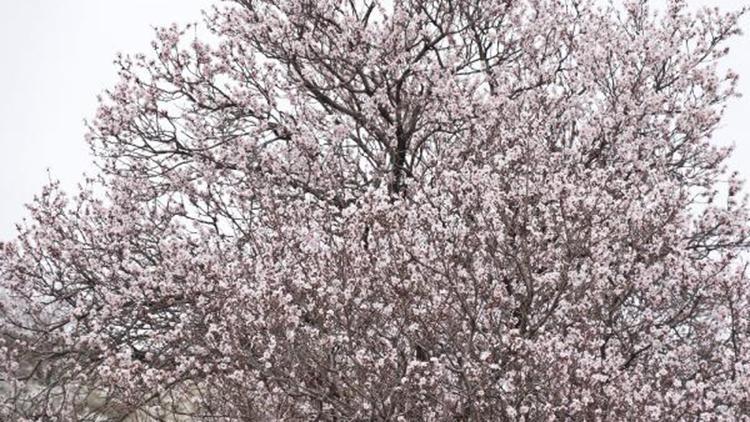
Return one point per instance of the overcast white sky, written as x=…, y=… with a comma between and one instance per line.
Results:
x=56, y=56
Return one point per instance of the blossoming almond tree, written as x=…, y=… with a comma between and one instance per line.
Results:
x=409, y=210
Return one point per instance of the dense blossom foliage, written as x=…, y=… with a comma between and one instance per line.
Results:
x=408, y=210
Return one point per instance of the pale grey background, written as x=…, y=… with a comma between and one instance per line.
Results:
x=56, y=56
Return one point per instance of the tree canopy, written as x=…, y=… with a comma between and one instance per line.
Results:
x=395, y=210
